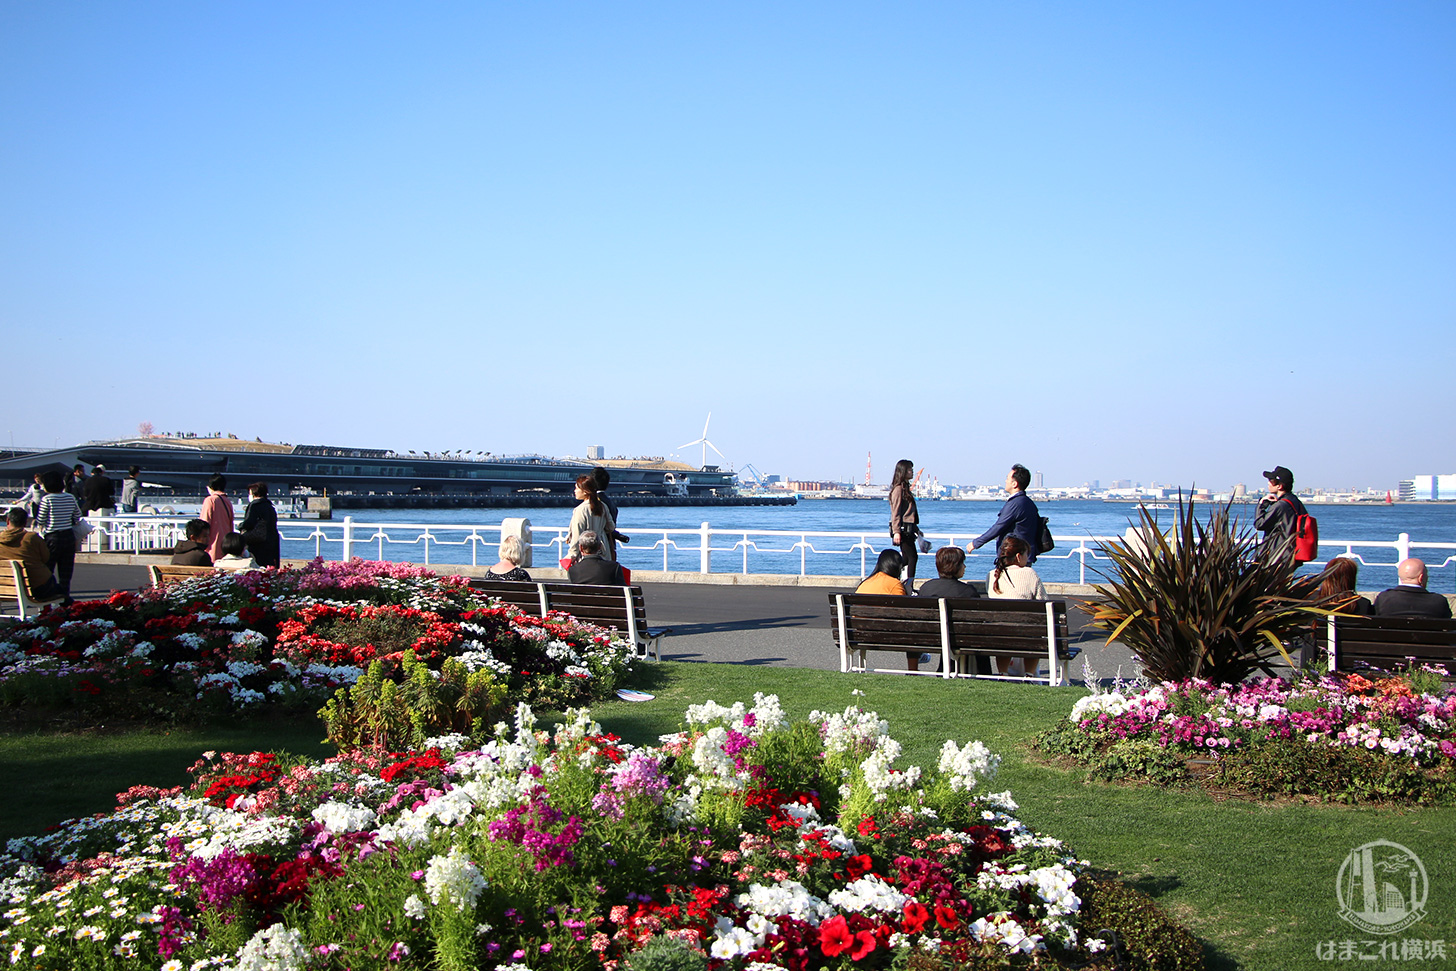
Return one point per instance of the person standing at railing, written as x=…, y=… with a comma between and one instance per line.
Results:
x=260, y=527
x=56, y=523
x=131, y=489
x=217, y=512
x=591, y=514
x=603, y=479
x=905, y=519
x=1019, y=517
x=32, y=497
x=1278, y=512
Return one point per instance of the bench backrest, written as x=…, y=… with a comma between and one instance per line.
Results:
x=1390, y=643
x=622, y=607
x=15, y=585
x=1013, y=628
x=163, y=572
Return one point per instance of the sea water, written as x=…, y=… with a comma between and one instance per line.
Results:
x=868, y=519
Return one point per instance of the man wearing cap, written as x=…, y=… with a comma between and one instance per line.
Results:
x=1279, y=511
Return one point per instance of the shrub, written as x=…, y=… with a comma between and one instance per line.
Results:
x=377, y=712
x=1150, y=940
x=664, y=953
x=1203, y=605
x=1289, y=767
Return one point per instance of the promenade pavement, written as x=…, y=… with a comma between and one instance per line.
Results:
x=784, y=626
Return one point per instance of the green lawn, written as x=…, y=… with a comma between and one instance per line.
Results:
x=1255, y=880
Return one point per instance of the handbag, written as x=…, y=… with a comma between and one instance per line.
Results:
x=1044, y=541
x=81, y=529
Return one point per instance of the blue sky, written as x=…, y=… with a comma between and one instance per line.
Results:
x=1155, y=241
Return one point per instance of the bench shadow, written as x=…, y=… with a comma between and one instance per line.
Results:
x=761, y=623
x=704, y=659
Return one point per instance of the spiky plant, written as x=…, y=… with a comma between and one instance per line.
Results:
x=1209, y=604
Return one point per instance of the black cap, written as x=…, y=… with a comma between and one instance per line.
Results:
x=1282, y=476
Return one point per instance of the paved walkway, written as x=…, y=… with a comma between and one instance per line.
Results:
x=783, y=626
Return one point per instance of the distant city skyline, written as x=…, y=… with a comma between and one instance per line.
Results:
x=1136, y=240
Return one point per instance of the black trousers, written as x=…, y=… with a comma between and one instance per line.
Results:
x=62, y=544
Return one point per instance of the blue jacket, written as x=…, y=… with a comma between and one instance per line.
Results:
x=1020, y=518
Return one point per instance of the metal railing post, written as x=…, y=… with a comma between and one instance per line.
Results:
x=704, y=556
x=348, y=553
x=1402, y=547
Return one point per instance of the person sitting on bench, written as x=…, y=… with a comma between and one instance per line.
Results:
x=1411, y=598
x=192, y=551
x=592, y=567
x=17, y=543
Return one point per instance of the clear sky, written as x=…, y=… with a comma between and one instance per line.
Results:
x=1172, y=242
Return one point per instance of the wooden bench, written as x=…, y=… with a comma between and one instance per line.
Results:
x=620, y=607
x=958, y=630
x=1389, y=643
x=161, y=573
x=15, y=585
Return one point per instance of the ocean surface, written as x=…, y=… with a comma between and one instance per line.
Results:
x=945, y=521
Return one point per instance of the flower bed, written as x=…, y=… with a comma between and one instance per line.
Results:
x=1344, y=737
x=745, y=840
x=288, y=639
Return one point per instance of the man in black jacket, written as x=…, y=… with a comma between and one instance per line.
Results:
x=1278, y=512
x=1411, y=598
x=593, y=567
x=192, y=551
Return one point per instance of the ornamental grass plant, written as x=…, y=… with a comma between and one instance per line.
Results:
x=1205, y=602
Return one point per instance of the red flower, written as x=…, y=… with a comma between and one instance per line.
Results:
x=867, y=827
x=834, y=937
x=915, y=917
x=864, y=944
x=858, y=866
x=946, y=917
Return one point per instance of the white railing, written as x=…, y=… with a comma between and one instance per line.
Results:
x=695, y=550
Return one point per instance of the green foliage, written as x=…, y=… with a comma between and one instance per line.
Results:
x=663, y=953
x=1150, y=940
x=377, y=712
x=1202, y=605
x=1139, y=759
x=390, y=632
x=1287, y=767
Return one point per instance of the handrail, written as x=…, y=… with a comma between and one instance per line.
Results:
x=447, y=543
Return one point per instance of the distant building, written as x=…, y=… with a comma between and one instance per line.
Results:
x=1121, y=484
x=1036, y=480
x=596, y=453
x=1429, y=488
x=1240, y=491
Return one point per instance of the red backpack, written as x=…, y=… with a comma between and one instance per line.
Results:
x=1306, y=536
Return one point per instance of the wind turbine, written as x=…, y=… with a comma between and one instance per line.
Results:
x=705, y=443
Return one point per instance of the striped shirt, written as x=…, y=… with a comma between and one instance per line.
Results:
x=58, y=511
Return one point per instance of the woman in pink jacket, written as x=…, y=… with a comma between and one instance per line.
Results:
x=217, y=512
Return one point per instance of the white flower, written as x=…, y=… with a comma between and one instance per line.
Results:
x=966, y=767
x=414, y=907
x=341, y=817
x=454, y=878
x=275, y=948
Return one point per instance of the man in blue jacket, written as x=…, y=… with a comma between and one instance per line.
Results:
x=1019, y=517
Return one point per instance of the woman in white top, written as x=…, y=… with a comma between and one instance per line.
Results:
x=235, y=558
x=1013, y=580
x=592, y=515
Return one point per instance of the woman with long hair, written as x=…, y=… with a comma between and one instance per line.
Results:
x=1014, y=579
x=1337, y=588
x=592, y=514
x=905, y=518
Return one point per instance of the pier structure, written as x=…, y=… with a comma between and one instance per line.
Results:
x=471, y=478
